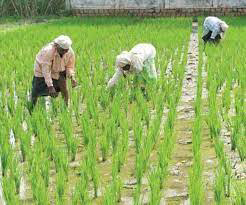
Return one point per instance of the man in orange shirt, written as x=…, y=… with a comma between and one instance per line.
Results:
x=54, y=63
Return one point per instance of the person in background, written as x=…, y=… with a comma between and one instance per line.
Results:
x=54, y=63
x=140, y=60
x=213, y=30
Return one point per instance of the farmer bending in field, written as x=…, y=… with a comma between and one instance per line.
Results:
x=54, y=63
x=140, y=60
x=214, y=30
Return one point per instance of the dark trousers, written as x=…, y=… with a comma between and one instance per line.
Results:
x=39, y=87
x=207, y=38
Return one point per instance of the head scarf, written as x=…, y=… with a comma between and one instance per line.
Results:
x=123, y=59
x=63, y=41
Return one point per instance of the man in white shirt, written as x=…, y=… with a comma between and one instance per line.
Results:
x=214, y=30
x=140, y=59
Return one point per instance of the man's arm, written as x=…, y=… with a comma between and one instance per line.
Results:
x=46, y=71
x=115, y=78
x=70, y=69
x=215, y=32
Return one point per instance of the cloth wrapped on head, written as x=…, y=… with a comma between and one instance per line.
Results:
x=63, y=41
x=123, y=59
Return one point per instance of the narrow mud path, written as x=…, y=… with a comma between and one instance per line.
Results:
x=176, y=191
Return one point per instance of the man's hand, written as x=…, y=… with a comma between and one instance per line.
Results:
x=52, y=92
x=74, y=83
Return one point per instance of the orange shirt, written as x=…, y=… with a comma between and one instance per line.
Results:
x=49, y=64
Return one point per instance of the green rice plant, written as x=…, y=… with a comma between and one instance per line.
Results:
x=39, y=190
x=125, y=134
x=61, y=161
x=196, y=186
x=214, y=125
x=92, y=107
x=155, y=186
x=137, y=194
x=119, y=157
x=226, y=98
x=11, y=103
x=235, y=132
x=81, y=196
x=228, y=177
x=60, y=187
x=6, y=157
x=114, y=135
x=103, y=98
x=163, y=159
x=66, y=124
x=42, y=193
x=16, y=174
x=8, y=187
x=139, y=175
x=113, y=192
x=51, y=145
x=219, y=187
x=137, y=129
x=241, y=147
x=90, y=161
x=86, y=131
x=54, y=108
x=17, y=120
x=25, y=141
x=76, y=98
x=45, y=168
x=240, y=194
x=74, y=147
x=104, y=146
x=143, y=107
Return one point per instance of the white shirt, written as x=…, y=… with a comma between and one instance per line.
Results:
x=212, y=24
x=142, y=55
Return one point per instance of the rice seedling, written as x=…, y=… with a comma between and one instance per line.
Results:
x=240, y=195
x=8, y=187
x=155, y=186
x=86, y=131
x=61, y=161
x=81, y=196
x=16, y=173
x=91, y=169
x=60, y=187
x=6, y=156
x=219, y=187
